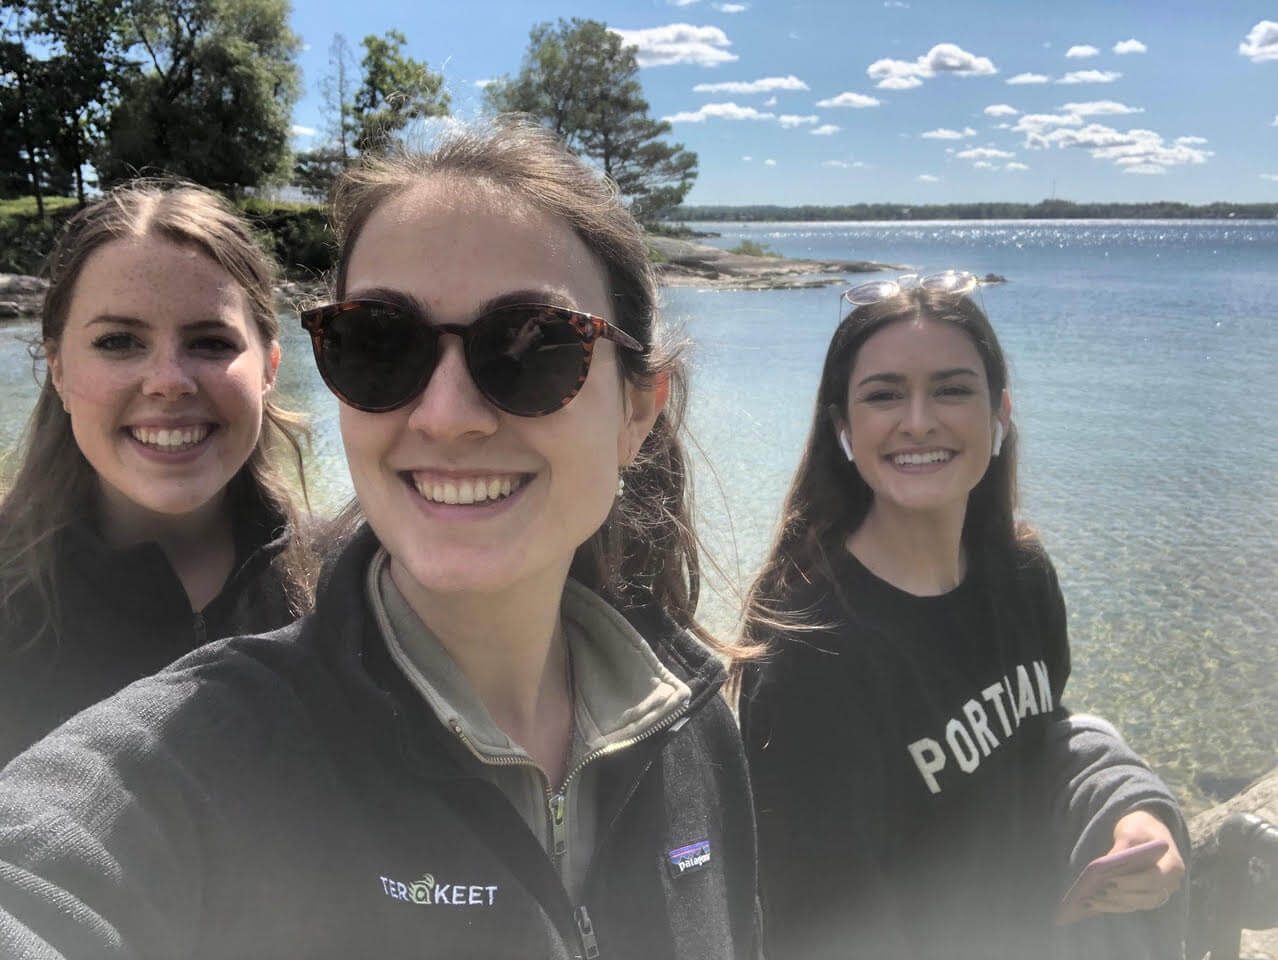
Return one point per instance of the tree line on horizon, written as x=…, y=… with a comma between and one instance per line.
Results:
x=1043, y=210
x=205, y=89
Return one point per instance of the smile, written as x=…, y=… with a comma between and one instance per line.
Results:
x=172, y=440
x=918, y=459
x=480, y=488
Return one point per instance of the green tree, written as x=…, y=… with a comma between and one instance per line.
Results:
x=395, y=89
x=338, y=89
x=212, y=96
x=581, y=81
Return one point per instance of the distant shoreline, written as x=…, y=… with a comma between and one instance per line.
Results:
x=1043, y=210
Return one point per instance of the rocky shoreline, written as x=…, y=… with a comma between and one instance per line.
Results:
x=686, y=263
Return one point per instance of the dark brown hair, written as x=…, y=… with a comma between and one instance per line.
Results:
x=828, y=497
x=54, y=484
x=646, y=552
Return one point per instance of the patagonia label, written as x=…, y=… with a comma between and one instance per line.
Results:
x=689, y=858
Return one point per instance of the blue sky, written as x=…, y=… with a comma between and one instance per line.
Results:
x=911, y=101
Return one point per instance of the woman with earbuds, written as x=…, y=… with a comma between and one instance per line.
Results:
x=915, y=775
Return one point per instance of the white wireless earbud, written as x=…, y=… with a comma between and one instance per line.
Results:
x=998, y=436
x=847, y=447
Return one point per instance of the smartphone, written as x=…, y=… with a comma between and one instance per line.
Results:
x=1100, y=871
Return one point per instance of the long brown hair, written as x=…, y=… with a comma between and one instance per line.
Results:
x=54, y=485
x=646, y=552
x=828, y=498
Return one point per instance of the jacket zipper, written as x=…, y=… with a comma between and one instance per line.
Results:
x=201, y=630
x=557, y=801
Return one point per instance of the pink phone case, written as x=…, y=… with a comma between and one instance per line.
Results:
x=1097, y=873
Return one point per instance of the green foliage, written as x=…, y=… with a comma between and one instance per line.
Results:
x=315, y=171
x=395, y=90
x=26, y=237
x=752, y=249
x=213, y=96
x=580, y=81
x=296, y=234
x=656, y=256
x=1043, y=210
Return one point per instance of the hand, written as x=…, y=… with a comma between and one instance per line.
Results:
x=1147, y=889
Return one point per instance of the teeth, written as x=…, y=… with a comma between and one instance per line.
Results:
x=914, y=459
x=170, y=441
x=469, y=490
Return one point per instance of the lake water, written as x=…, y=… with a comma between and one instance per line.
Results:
x=1144, y=363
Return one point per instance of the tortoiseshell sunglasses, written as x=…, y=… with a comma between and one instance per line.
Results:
x=529, y=359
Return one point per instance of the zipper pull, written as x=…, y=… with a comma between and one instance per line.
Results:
x=558, y=805
x=201, y=631
x=587, y=931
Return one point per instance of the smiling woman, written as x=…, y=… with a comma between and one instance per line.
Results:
x=146, y=516
x=909, y=712
x=498, y=734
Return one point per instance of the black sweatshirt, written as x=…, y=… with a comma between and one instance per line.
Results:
x=290, y=795
x=123, y=615
x=896, y=756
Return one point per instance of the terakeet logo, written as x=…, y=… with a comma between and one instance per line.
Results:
x=429, y=892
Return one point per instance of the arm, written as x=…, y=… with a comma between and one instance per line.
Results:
x=99, y=841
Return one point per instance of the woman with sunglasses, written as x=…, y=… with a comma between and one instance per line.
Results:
x=497, y=735
x=918, y=785
x=146, y=515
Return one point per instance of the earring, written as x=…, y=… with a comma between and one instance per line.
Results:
x=998, y=436
x=847, y=447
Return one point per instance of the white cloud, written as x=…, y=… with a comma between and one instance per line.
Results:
x=1275, y=123
x=897, y=4
x=825, y=130
x=984, y=153
x=1261, y=43
x=1037, y=123
x=849, y=99
x=731, y=7
x=678, y=43
x=944, y=133
x=721, y=111
x=769, y=162
x=771, y=101
x=1082, y=50
x=1090, y=76
x=1022, y=78
x=927, y=178
x=1100, y=107
x=942, y=58
x=1016, y=166
x=1269, y=176
x=1131, y=150
x=983, y=165
x=747, y=158
x=1191, y=141
x=1129, y=46
x=841, y=164
x=485, y=83
x=682, y=3
x=762, y=85
x=1000, y=110
x=899, y=83
x=298, y=130
x=789, y=120
x=1146, y=168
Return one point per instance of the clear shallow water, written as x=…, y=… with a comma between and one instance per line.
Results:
x=1145, y=382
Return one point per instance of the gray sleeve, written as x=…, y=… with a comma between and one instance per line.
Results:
x=1096, y=779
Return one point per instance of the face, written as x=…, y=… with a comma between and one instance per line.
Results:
x=919, y=416
x=164, y=375
x=547, y=482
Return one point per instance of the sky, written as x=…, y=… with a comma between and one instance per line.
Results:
x=901, y=101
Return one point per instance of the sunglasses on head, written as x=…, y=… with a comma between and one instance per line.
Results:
x=528, y=359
